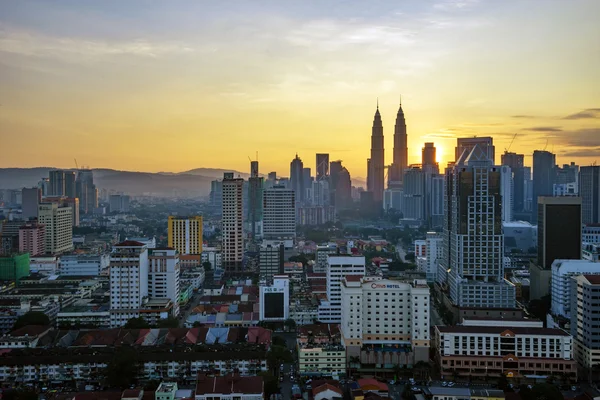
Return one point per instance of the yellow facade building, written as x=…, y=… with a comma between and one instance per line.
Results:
x=185, y=234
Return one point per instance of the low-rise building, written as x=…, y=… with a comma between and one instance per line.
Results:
x=45, y=265
x=229, y=387
x=91, y=315
x=84, y=264
x=523, y=353
x=166, y=391
x=275, y=299
x=320, y=351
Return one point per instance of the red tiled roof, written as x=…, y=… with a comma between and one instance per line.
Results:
x=325, y=387
x=593, y=279
x=30, y=330
x=129, y=243
x=229, y=384
x=353, y=278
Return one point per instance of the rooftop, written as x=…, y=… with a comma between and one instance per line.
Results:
x=230, y=384
x=516, y=330
x=593, y=279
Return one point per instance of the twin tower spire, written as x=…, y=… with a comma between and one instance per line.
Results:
x=376, y=164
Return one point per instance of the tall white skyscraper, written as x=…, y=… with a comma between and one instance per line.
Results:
x=128, y=281
x=279, y=219
x=473, y=238
x=232, y=223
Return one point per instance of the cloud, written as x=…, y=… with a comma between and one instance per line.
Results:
x=590, y=113
x=583, y=152
x=544, y=129
x=580, y=138
x=448, y=5
x=523, y=116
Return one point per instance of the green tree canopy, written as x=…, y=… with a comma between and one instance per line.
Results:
x=278, y=355
x=271, y=384
x=32, y=318
x=542, y=391
x=136, y=323
x=170, y=322
x=207, y=266
x=122, y=370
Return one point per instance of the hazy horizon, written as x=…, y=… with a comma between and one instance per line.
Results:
x=165, y=87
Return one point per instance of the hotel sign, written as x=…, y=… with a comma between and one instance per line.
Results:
x=384, y=286
x=273, y=290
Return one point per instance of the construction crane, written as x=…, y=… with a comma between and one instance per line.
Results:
x=506, y=150
x=76, y=166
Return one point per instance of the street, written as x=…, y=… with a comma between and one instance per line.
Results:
x=401, y=252
x=185, y=312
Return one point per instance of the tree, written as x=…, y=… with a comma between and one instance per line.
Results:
x=170, y=322
x=502, y=382
x=207, y=266
x=20, y=394
x=271, y=384
x=122, y=370
x=290, y=324
x=278, y=341
x=277, y=356
x=546, y=391
x=136, y=323
x=407, y=393
x=37, y=318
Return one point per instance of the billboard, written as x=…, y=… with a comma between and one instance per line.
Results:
x=274, y=307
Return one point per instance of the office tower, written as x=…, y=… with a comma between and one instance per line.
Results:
x=307, y=182
x=32, y=239
x=413, y=198
x=255, y=192
x=118, y=203
x=473, y=238
x=544, y=175
x=320, y=193
x=400, y=159
x=559, y=229
x=57, y=183
x=232, y=223
x=585, y=304
x=338, y=268
x=30, y=200
x=436, y=201
x=271, y=259
x=163, y=276
x=342, y=195
x=589, y=190
x=506, y=190
x=86, y=191
x=297, y=178
x=272, y=176
x=568, y=173
x=44, y=186
x=392, y=199
x=216, y=195
x=528, y=192
x=464, y=146
x=279, y=215
x=129, y=266
x=70, y=186
x=185, y=234
x=376, y=164
x=516, y=163
x=58, y=220
x=322, y=171
x=428, y=155
x=385, y=319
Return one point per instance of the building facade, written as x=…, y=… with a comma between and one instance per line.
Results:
x=279, y=218
x=32, y=239
x=59, y=231
x=562, y=273
x=589, y=190
x=232, y=223
x=338, y=267
x=185, y=234
x=275, y=299
x=585, y=329
x=164, y=276
x=84, y=264
x=271, y=261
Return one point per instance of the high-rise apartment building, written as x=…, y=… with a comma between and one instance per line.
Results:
x=86, y=191
x=400, y=152
x=322, y=170
x=544, y=176
x=30, y=200
x=585, y=328
x=185, y=234
x=58, y=220
x=376, y=164
x=464, y=147
x=338, y=267
x=473, y=238
x=385, y=320
x=279, y=215
x=232, y=223
x=297, y=178
x=163, y=276
x=271, y=261
x=255, y=206
x=57, y=183
x=589, y=190
x=129, y=267
x=32, y=239
x=72, y=202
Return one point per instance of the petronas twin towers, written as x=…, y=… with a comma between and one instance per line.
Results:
x=376, y=164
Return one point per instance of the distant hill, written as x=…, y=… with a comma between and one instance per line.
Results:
x=192, y=183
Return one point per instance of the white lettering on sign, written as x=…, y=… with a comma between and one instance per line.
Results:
x=382, y=286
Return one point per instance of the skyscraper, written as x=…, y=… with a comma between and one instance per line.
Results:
x=279, y=215
x=185, y=234
x=376, y=164
x=589, y=190
x=255, y=210
x=59, y=230
x=516, y=163
x=297, y=178
x=163, y=276
x=428, y=156
x=70, y=186
x=322, y=171
x=30, y=200
x=413, y=199
x=232, y=223
x=86, y=191
x=400, y=160
x=506, y=190
x=57, y=183
x=559, y=229
x=473, y=238
x=464, y=146
x=307, y=178
x=544, y=175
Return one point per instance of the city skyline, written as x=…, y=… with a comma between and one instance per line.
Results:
x=101, y=78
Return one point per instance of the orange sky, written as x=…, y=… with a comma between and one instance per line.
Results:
x=192, y=84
